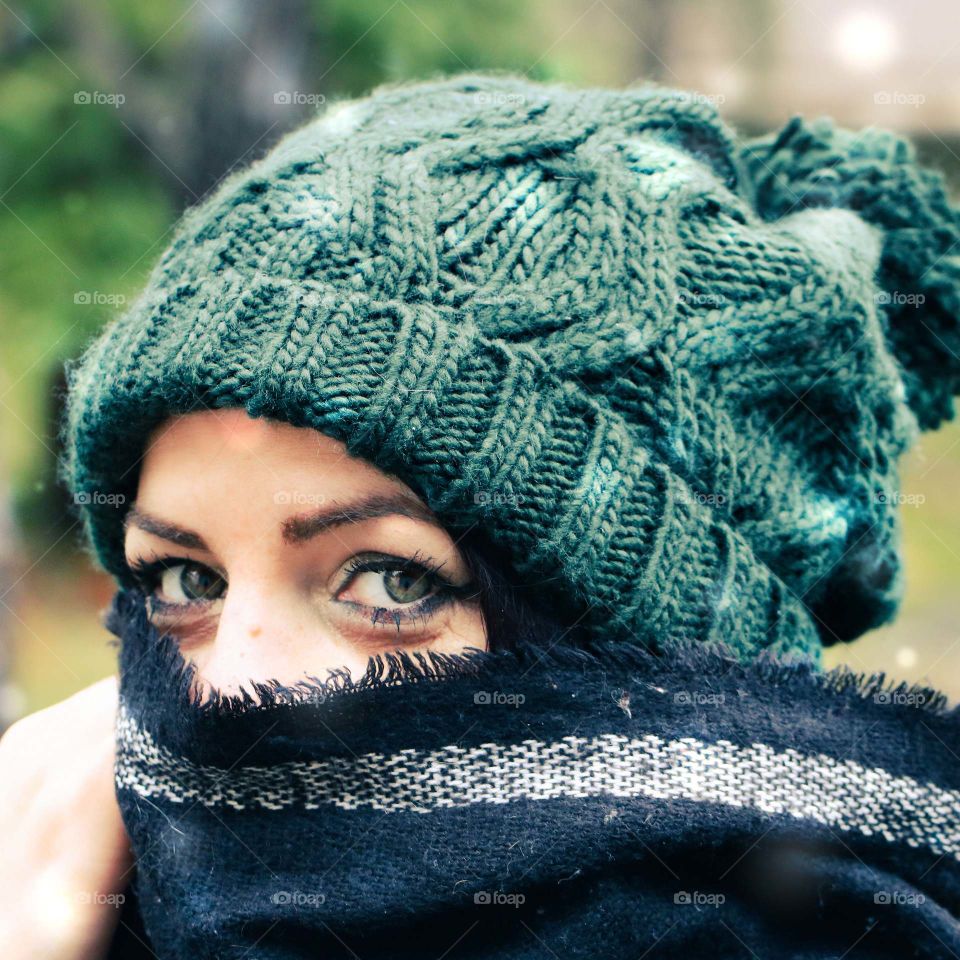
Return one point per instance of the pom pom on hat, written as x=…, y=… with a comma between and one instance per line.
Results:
x=875, y=173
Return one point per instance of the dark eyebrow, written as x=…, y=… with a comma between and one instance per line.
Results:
x=168, y=531
x=299, y=528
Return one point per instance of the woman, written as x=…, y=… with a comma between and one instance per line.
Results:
x=483, y=471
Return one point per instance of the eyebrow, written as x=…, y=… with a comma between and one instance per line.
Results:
x=161, y=528
x=302, y=527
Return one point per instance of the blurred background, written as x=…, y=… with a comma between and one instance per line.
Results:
x=115, y=115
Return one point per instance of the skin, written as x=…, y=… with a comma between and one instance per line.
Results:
x=265, y=532
x=271, y=517
x=66, y=858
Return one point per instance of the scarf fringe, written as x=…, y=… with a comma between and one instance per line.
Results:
x=400, y=667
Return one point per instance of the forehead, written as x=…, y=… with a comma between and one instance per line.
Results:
x=223, y=467
x=228, y=440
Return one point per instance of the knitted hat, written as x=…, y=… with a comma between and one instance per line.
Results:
x=669, y=370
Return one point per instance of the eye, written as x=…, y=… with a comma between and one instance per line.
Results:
x=385, y=583
x=189, y=582
x=176, y=581
x=404, y=586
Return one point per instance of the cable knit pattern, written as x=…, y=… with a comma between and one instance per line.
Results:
x=671, y=370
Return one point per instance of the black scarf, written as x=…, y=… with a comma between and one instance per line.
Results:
x=540, y=803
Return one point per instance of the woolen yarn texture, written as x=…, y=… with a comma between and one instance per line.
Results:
x=536, y=803
x=670, y=369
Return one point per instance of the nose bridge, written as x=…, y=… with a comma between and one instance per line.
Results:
x=262, y=634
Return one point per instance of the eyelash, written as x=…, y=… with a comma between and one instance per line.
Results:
x=147, y=573
x=447, y=592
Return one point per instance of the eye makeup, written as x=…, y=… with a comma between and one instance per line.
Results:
x=423, y=571
x=384, y=575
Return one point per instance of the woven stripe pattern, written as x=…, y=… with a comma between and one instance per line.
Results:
x=670, y=369
x=839, y=793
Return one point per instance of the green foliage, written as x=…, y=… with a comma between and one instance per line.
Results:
x=86, y=208
x=386, y=40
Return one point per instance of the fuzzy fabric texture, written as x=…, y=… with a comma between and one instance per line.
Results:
x=670, y=369
x=537, y=803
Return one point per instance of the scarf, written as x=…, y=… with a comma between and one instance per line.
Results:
x=536, y=803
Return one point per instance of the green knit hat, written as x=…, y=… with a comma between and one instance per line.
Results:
x=669, y=369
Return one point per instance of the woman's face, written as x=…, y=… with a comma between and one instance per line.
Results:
x=269, y=552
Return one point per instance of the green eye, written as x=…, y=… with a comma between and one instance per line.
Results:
x=392, y=583
x=186, y=582
x=405, y=587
